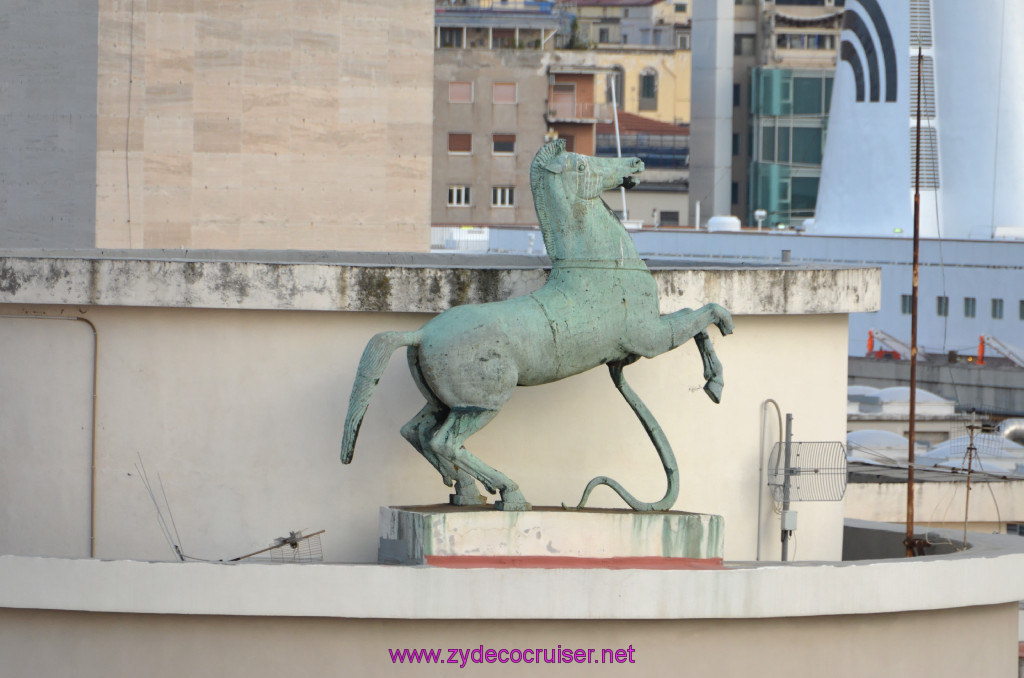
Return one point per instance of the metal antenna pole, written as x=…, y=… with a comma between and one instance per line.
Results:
x=785, y=483
x=971, y=451
x=909, y=541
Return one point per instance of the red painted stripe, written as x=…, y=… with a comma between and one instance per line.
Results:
x=574, y=563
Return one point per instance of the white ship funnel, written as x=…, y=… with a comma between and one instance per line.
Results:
x=979, y=60
x=865, y=168
x=972, y=142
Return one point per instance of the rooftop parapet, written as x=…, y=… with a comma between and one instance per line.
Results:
x=397, y=282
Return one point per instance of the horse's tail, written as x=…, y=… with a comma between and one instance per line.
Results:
x=371, y=367
x=668, y=459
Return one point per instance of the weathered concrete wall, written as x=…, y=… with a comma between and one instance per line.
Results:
x=48, y=64
x=231, y=382
x=394, y=282
x=264, y=125
x=936, y=504
x=240, y=412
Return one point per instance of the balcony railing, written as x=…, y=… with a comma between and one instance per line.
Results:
x=567, y=111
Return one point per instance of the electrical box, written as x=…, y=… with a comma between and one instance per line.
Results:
x=789, y=520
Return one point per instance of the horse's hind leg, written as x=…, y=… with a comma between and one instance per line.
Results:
x=421, y=428
x=418, y=431
x=448, y=441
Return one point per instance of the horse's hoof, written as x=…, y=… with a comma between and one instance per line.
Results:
x=467, y=500
x=512, y=500
x=714, y=390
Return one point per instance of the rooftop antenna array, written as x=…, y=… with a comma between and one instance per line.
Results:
x=804, y=471
x=295, y=548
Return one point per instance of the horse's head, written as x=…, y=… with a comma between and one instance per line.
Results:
x=585, y=177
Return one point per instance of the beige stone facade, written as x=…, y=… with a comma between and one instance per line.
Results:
x=264, y=124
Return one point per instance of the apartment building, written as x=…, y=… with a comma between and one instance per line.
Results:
x=495, y=105
x=790, y=95
x=497, y=102
x=733, y=171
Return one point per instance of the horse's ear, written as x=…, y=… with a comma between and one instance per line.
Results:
x=556, y=164
x=550, y=156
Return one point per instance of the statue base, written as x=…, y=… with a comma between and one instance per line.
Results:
x=478, y=536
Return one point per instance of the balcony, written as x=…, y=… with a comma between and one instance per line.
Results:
x=575, y=111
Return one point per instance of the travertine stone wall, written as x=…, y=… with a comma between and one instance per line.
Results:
x=284, y=124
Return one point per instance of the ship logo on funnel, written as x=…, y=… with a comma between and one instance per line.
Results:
x=854, y=22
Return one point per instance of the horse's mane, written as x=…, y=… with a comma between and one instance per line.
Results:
x=538, y=187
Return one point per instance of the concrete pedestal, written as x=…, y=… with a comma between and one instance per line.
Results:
x=455, y=536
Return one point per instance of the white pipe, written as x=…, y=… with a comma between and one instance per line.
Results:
x=618, y=144
x=761, y=462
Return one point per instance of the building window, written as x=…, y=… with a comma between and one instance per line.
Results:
x=460, y=92
x=1022, y=309
x=503, y=38
x=505, y=93
x=970, y=307
x=683, y=41
x=735, y=193
x=680, y=7
x=736, y=93
x=451, y=37
x=602, y=35
x=906, y=304
x=997, y=309
x=669, y=218
x=648, y=90
x=735, y=144
x=458, y=196
x=503, y=196
x=942, y=306
x=504, y=143
x=460, y=142
x=743, y=45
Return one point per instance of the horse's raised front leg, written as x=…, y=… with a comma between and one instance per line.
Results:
x=447, y=444
x=712, y=367
x=675, y=329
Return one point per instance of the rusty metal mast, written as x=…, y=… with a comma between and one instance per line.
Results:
x=909, y=541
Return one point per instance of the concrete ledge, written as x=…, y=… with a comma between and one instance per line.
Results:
x=399, y=282
x=992, y=565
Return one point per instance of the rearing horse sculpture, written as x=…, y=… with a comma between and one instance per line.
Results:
x=598, y=306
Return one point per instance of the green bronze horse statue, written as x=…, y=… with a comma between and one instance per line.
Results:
x=599, y=306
